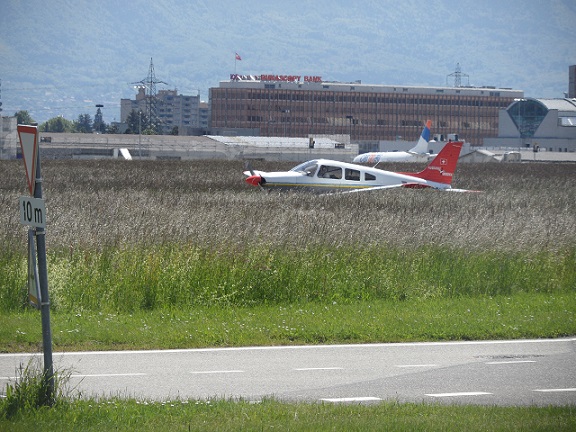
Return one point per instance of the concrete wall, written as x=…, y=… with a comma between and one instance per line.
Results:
x=93, y=146
x=8, y=137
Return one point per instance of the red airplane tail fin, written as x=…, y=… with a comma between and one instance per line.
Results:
x=442, y=167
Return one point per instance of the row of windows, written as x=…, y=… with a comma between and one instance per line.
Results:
x=343, y=121
x=239, y=110
x=333, y=172
x=314, y=96
x=352, y=88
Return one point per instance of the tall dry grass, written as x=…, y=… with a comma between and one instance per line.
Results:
x=91, y=204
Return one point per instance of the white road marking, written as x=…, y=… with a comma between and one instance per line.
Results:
x=216, y=372
x=556, y=390
x=458, y=394
x=352, y=399
x=416, y=366
x=319, y=368
x=510, y=362
x=106, y=375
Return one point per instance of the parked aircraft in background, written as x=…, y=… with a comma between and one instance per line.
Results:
x=328, y=176
x=418, y=153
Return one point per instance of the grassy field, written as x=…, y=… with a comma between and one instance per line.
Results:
x=184, y=254
x=160, y=239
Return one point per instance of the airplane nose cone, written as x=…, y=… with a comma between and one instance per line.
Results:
x=254, y=180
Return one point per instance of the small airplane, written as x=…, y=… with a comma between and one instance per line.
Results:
x=323, y=175
x=418, y=153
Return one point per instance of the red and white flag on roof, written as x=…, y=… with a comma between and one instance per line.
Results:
x=238, y=57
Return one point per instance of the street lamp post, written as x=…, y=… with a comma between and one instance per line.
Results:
x=140, y=134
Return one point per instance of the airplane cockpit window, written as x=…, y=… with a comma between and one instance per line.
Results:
x=352, y=174
x=308, y=168
x=369, y=177
x=328, y=171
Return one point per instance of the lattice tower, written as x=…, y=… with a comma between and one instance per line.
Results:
x=149, y=83
x=457, y=74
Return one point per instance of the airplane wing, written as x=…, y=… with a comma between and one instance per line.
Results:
x=463, y=190
x=408, y=186
x=371, y=189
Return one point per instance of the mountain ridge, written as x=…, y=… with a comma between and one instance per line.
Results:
x=65, y=57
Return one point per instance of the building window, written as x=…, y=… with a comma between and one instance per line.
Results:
x=567, y=121
x=527, y=116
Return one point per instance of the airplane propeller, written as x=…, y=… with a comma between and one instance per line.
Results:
x=254, y=179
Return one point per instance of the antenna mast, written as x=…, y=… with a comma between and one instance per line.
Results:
x=149, y=83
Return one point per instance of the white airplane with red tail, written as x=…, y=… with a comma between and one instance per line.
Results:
x=323, y=175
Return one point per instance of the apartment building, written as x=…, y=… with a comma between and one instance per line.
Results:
x=172, y=110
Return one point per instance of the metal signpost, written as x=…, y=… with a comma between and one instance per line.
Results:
x=33, y=213
x=33, y=283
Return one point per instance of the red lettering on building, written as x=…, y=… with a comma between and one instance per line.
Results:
x=276, y=78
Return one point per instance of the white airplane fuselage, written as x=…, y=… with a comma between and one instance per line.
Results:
x=344, y=176
x=398, y=156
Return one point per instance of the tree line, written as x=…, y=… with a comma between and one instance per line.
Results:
x=137, y=123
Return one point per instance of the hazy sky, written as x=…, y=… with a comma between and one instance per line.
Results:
x=61, y=57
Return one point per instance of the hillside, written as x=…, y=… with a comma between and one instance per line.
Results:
x=64, y=57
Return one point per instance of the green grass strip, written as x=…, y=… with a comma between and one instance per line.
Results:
x=169, y=276
x=184, y=415
x=523, y=315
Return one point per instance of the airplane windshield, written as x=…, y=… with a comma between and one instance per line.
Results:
x=308, y=168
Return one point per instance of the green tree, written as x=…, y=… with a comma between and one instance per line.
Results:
x=57, y=124
x=24, y=117
x=112, y=129
x=156, y=128
x=99, y=125
x=83, y=124
x=136, y=122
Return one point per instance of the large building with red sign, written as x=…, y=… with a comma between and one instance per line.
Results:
x=299, y=106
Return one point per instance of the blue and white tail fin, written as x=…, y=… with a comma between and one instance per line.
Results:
x=422, y=144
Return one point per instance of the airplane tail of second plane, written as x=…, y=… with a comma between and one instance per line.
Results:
x=422, y=144
x=443, y=166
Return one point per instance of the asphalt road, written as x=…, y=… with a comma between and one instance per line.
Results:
x=517, y=372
